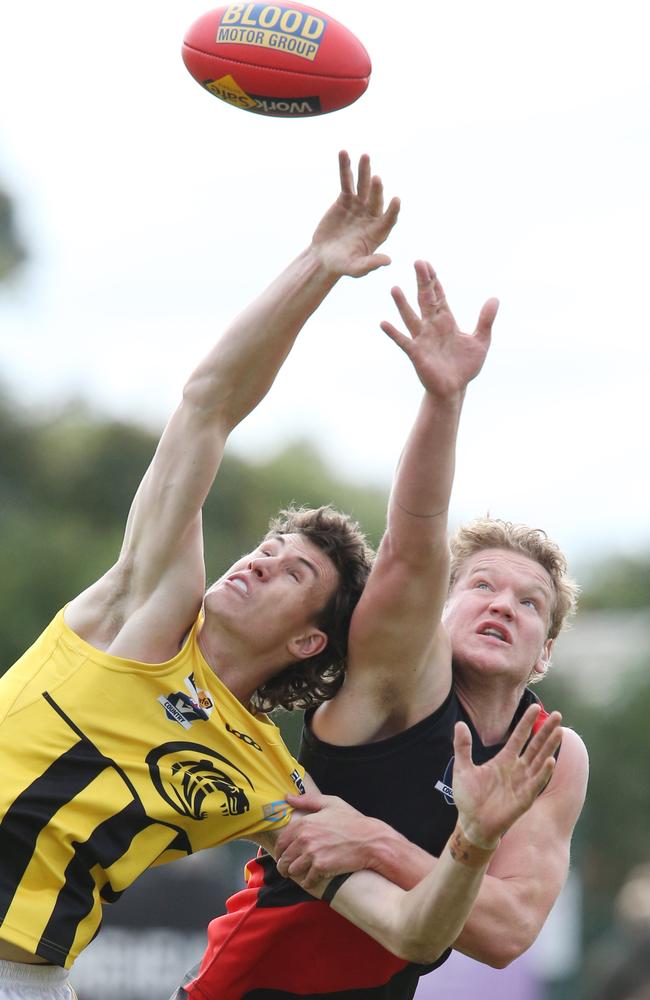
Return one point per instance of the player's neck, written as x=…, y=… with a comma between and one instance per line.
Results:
x=240, y=666
x=490, y=706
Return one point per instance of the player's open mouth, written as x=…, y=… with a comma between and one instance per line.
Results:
x=239, y=583
x=495, y=631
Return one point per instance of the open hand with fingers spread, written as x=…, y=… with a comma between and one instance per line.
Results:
x=444, y=358
x=351, y=230
x=492, y=796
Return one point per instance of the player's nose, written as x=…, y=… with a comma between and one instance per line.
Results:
x=261, y=568
x=502, y=603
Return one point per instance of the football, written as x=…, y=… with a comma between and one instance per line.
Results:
x=283, y=60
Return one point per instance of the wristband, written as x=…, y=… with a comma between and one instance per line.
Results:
x=333, y=886
x=466, y=853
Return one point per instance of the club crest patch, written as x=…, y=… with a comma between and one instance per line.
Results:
x=186, y=707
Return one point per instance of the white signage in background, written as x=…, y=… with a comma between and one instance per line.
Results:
x=136, y=965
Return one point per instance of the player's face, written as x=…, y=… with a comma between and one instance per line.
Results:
x=275, y=593
x=498, y=614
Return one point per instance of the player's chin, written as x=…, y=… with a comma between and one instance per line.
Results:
x=221, y=601
x=490, y=659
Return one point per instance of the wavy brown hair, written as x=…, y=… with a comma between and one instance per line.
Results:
x=309, y=682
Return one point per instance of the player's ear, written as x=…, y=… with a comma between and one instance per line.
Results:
x=544, y=658
x=310, y=643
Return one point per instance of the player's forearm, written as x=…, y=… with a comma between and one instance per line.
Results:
x=226, y=385
x=504, y=920
x=240, y=369
x=396, y=858
x=423, y=482
x=418, y=924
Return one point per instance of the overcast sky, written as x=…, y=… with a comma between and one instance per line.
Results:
x=516, y=135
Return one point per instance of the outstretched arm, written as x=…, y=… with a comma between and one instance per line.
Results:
x=420, y=923
x=398, y=617
x=162, y=551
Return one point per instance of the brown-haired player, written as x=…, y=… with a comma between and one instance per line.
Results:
x=121, y=728
x=384, y=743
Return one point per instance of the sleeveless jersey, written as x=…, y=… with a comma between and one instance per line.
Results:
x=109, y=766
x=276, y=942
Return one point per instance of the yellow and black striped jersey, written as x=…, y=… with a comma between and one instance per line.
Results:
x=109, y=766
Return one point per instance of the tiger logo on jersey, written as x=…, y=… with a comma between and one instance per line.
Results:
x=201, y=778
x=190, y=777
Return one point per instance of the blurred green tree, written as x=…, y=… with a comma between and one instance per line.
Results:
x=12, y=251
x=621, y=581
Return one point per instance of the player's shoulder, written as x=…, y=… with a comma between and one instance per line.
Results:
x=574, y=750
x=571, y=773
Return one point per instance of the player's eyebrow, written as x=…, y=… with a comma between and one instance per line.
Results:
x=301, y=559
x=538, y=591
x=535, y=589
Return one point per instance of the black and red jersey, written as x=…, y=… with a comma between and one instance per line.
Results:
x=276, y=942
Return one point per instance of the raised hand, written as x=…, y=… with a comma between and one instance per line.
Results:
x=444, y=358
x=350, y=232
x=492, y=796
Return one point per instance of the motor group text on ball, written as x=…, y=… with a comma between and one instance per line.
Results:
x=272, y=27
